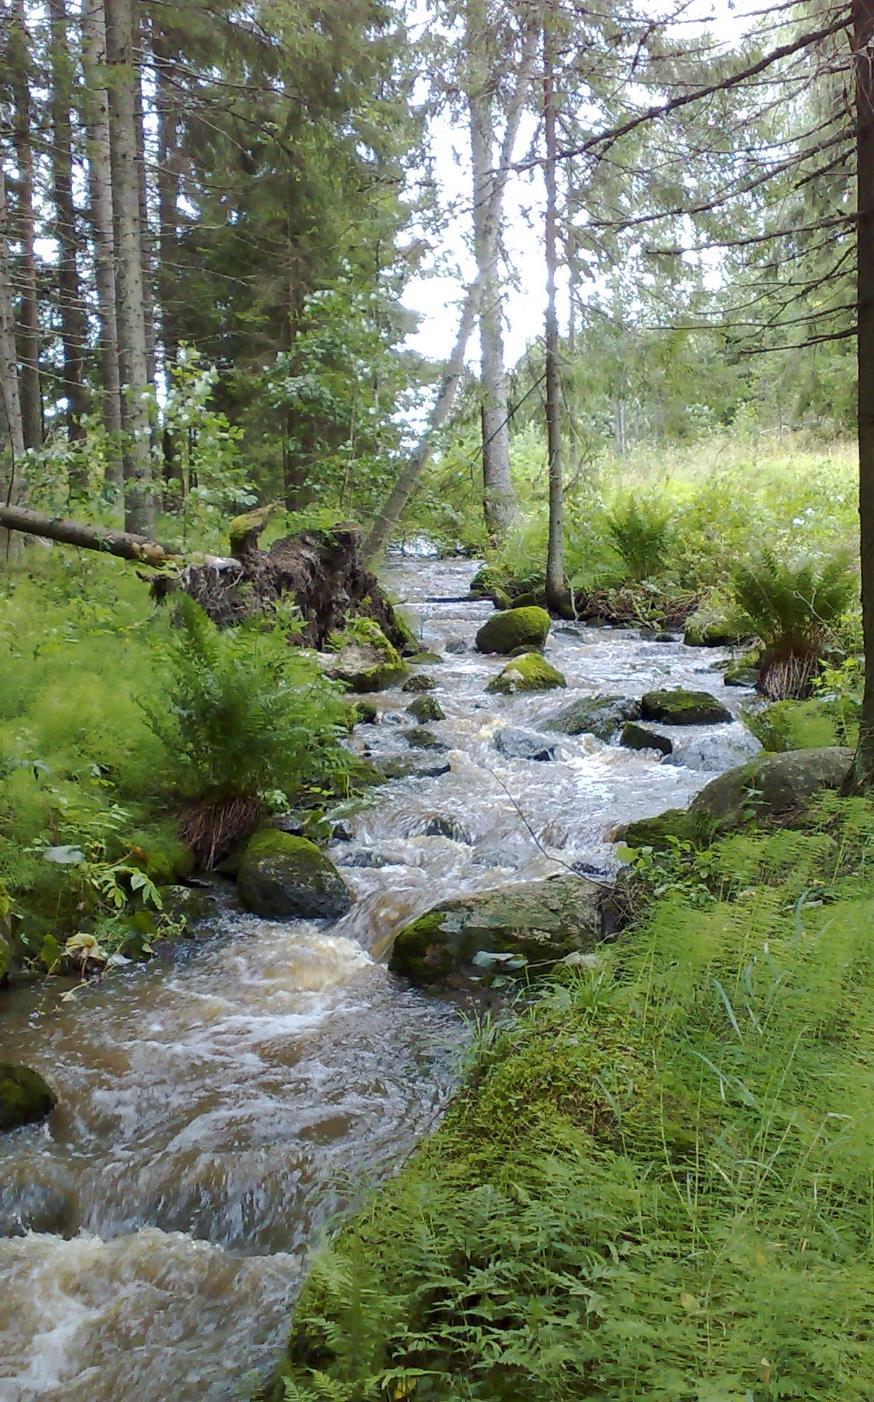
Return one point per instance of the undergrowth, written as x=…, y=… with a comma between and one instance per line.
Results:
x=658, y=1180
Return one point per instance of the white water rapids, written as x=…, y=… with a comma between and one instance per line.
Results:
x=219, y=1108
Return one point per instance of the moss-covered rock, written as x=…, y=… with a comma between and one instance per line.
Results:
x=425, y=708
x=364, y=658
x=600, y=716
x=680, y=707
x=420, y=738
x=524, y=744
x=419, y=765
x=487, y=582
x=365, y=713
x=425, y=659
x=420, y=682
x=530, y=672
x=283, y=877
x=706, y=628
x=739, y=675
x=772, y=785
x=532, y=926
x=641, y=737
x=514, y=628
x=24, y=1096
x=660, y=831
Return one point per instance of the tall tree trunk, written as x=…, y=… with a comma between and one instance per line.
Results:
x=28, y=309
x=139, y=33
x=66, y=225
x=167, y=114
x=556, y=594
x=96, y=114
x=863, y=44
x=499, y=501
x=12, y=483
x=139, y=507
x=386, y=519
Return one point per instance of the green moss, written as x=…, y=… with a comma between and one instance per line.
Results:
x=282, y=877
x=681, y=707
x=514, y=628
x=425, y=708
x=530, y=672
x=366, y=660
x=159, y=851
x=24, y=1096
x=805, y=725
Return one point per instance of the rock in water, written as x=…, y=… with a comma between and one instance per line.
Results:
x=531, y=672
x=600, y=716
x=514, y=628
x=523, y=744
x=772, y=785
x=24, y=1096
x=283, y=877
x=640, y=737
x=425, y=708
x=419, y=737
x=529, y=926
x=681, y=707
x=420, y=682
x=364, y=658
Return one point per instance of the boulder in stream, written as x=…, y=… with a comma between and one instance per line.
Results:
x=364, y=658
x=283, y=877
x=523, y=744
x=514, y=628
x=772, y=785
x=600, y=716
x=531, y=672
x=419, y=765
x=641, y=737
x=527, y=927
x=25, y=1097
x=681, y=707
x=419, y=737
x=425, y=708
x=420, y=682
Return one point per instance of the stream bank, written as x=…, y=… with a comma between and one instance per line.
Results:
x=218, y=1109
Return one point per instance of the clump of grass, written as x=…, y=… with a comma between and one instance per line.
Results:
x=658, y=1181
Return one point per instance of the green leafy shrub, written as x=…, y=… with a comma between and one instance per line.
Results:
x=792, y=609
x=243, y=715
x=639, y=531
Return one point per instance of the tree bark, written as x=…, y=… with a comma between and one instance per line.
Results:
x=139, y=509
x=386, y=519
x=124, y=544
x=143, y=200
x=12, y=483
x=556, y=594
x=96, y=116
x=499, y=500
x=863, y=52
x=28, y=308
x=72, y=312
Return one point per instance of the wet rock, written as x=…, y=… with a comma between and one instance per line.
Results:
x=425, y=708
x=486, y=583
x=640, y=737
x=364, y=658
x=424, y=659
x=680, y=707
x=530, y=598
x=373, y=860
x=443, y=825
x=420, y=738
x=25, y=1097
x=741, y=676
x=523, y=744
x=659, y=832
x=526, y=927
x=342, y=832
x=600, y=716
x=531, y=672
x=189, y=903
x=29, y=1205
x=709, y=629
x=420, y=682
x=283, y=877
x=772, y=785
x=419, y=766
x=456, y=646
x=365, y=713
x=665, y=637
x=513, y=628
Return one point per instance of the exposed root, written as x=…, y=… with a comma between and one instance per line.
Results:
x=213, y=829
x=788, y=677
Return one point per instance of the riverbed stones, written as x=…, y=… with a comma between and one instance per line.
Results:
x=641, y=737
x=445, y=825
x=681, y=707
x=526, y=927
x=425, y=708
x=419, y=737
x=456, y=646
x=600, y=716
x=419, y=765
x=283, y=878
x=514, y=628
x=364, y=658
x=419, y=683
x=531, y=672
x=25, y=1098
x=523, y=744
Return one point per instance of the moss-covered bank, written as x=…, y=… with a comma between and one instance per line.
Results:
x=657, y=1181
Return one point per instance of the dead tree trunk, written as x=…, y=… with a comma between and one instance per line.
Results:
x=12, y=482
x=72, y=312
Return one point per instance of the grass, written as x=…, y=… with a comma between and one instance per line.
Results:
x=657, y=1181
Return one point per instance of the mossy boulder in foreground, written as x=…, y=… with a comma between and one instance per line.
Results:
x=600, y=716
x=364, y=658
x=526, y=927
x=530, y=672
x=284, y=877
x=772, y=785
x=679, y=707
x=514, y=628
x=24, y=1096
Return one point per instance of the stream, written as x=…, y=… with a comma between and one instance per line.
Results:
x=220, y=1107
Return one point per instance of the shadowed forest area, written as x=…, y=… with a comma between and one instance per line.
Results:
x=436, y=700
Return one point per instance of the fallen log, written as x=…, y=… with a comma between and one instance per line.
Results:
x=321, y=572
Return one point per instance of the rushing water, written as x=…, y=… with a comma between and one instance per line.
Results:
x=216, y=1111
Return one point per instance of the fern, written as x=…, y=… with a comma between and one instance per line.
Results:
x=639, y=532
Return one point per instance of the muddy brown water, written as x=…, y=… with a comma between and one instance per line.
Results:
x=219, y=1110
